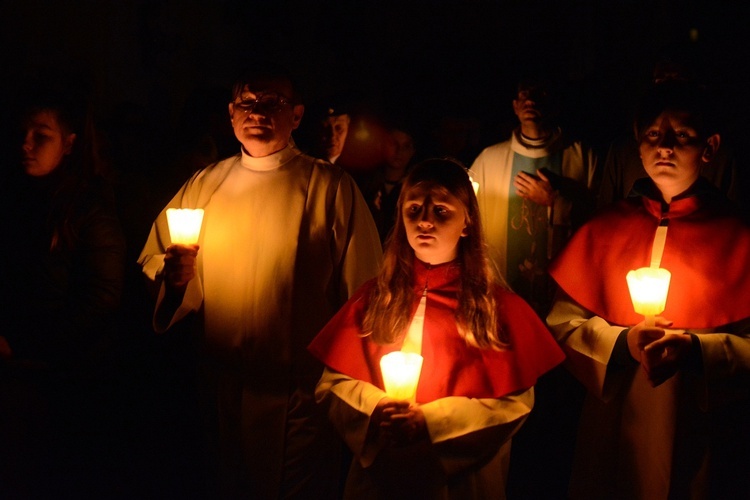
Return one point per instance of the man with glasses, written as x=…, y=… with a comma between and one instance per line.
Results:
x=285, y=240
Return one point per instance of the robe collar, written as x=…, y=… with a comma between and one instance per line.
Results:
x=435, y=276
x=535, y=149
x=694, y=198
x=270, y=162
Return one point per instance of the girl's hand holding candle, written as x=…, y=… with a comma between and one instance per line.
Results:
x=400, y=372
x=398, y=423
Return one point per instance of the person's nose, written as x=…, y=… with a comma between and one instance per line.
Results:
x=28, y=144
x=257, y=112
x=666, y=144
x=426, y=220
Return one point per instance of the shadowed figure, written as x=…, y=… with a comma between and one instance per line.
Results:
x=60, y=285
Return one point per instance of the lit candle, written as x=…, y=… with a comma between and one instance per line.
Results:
x=474, y=184
x=648, y=290
x=184, y=225
x=401, y=374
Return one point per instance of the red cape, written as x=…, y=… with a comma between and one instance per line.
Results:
x=450, y=367
x=707, y=251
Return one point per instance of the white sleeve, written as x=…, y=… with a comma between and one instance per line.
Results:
x=463, y=431
x=466, y=431
x=588, y=342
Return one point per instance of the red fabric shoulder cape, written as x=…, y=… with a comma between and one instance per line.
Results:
x=707, y=251
x=450, y=367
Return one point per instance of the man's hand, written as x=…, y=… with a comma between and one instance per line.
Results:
x=179, y=265
x=537, y=189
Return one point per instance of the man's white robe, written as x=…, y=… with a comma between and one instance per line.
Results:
x=285, y=241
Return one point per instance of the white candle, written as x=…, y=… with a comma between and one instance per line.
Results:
x=648, y=290
x=401, y=374
x=184, y=225
x=474, y=184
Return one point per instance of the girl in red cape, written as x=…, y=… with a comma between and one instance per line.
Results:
x=666, y=414
x=483, y=349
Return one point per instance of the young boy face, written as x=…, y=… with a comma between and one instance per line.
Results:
x=672, y=151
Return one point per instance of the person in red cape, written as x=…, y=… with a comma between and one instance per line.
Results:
x=666, y=414
x=483, y=349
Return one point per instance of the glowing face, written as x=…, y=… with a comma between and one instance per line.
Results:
x=333, y=134
x=672, y=152
x=402, y=150
x=435, y=221
x=263, y=116
x=45, y=143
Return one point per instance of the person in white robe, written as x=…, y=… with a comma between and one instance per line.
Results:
x=533, y=191
x=285, y=240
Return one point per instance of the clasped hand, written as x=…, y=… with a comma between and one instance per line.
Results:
x=660, y=353
x=537, y=189
x=398, y=423
x=179, y=265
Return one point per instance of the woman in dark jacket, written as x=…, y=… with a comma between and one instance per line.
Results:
x=60, y=284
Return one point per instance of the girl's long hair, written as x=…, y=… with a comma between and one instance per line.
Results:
x=388, y=314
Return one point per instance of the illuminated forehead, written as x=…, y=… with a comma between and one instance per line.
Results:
x=436, y=193
x=265, y=86
x=338, y=120
x=676, y=118
x=42, y=119
x=535, y=92
x=679, y=120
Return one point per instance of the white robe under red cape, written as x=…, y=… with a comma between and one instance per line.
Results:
x=473, y=399
x=686, y=438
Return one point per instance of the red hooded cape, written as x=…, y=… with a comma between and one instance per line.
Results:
x=450, y=367
x=707, y=250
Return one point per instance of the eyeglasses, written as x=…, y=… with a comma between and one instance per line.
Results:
x=533, y=94
x=265, y=103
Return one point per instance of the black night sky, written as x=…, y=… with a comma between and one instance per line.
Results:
x=427, y=58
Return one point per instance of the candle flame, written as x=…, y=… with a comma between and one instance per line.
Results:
x=648, y=289
x=184, y=225
x=401, y=374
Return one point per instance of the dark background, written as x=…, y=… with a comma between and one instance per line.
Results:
x=427, y=58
